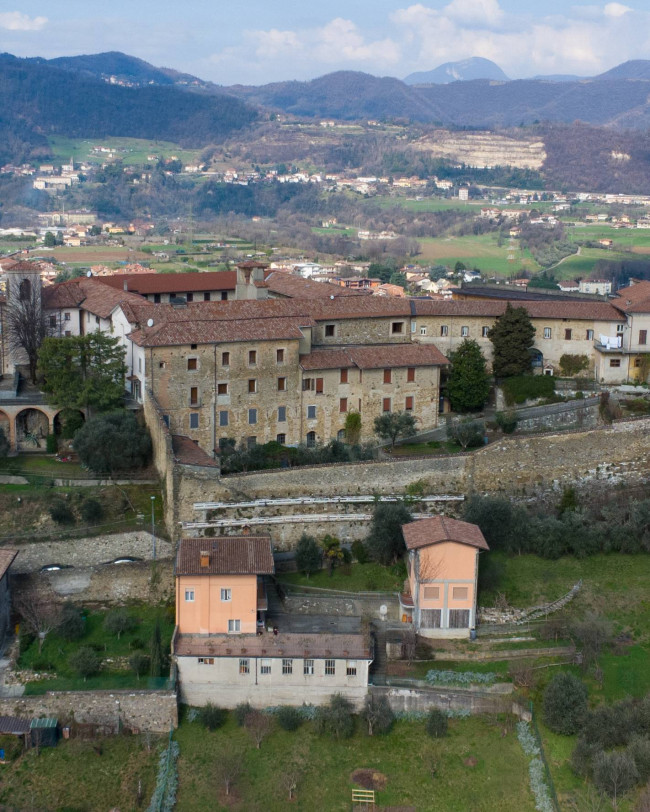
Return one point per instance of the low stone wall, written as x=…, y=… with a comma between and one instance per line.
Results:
x=422, y=699
x=154, y=711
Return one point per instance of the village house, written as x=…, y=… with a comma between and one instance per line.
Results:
x=224, y=651
x=442, y=564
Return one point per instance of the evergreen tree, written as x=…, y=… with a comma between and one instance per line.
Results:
x=468, y=384
x=309, y=555
x=385, y=540
x=512, y=337
x=156, y=652
x=113, y=442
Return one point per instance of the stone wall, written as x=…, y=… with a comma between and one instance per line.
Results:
x=418, y=699
x=154, y=711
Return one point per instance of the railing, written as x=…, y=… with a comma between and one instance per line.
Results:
x=322, y=500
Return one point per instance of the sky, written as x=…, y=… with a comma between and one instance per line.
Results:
x=259, y=41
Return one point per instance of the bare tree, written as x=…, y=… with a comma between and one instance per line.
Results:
x=27, y=324
x=409, y=643
x=259, y=726
x=643, y=803
x=291, y=774
x=229, y=768
x=40, y=614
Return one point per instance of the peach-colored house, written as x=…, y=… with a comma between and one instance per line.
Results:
x=440, y=596
x=219, y=586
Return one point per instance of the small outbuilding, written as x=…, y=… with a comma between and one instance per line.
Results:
x=439, y=596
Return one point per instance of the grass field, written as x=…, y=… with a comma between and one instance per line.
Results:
x=478, y=769
x=92, y=776
x=130, y=151
x=91, y=254
x=481, y=252
x=352, y=578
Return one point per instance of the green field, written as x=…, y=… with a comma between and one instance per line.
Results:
x=352, y=578
x=481, y=252
x=478, y=769
x=131, y=151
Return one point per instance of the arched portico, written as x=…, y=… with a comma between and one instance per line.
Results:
x=32, y=425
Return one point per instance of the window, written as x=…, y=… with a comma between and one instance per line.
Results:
x=252, y=358
x=194, y=395
x=166, y=420
x=547, y=332
x=194, y=420
x=226, y=594
x=282, y=384
x=590, y=335
x=567, y=334
x=408, y=403
x=414, y=326
x=265, y=666
x=281, y=438
x=223, y=418
x=444, y=330
x=459, y=618
x=615, y=362
x=222, y=389
x=287, y=666
x=344, y=376
x=308, y=668
x=193, y=346
x=192, y=364
x=244, y=666
x=330, y=668
x=387, y=376
x=464, y=332
x=156, y=298
x=410, y=374
x=206, y=296
x=307, y=384
x=311, y=413
x=397, y=327
x=189, y=595
x=484, y=332
x=643, y=336
x=282, y=414
x=330, y=330
x=252, y=417
x=341, y=435
x=66, y=317
x=252, y=386
x=225, y=359
x=96, y=319
x=459, y=593
x=423, y=331
x=68, y=333
x=206, y=660
x=311, y=439
x=638, y=362
x=431, y=593
x=386, y=405
x=234, y=626
x=189, y=297
x=224, y=295
x=430, y=618
x=251, y=442
x=343, y=405
x=52, y=321
x=319, y=386
x=279, y=356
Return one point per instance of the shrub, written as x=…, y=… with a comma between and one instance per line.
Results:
x=468, y=433
x=528, y=387
x=241, y=712
x=61, y=512
x=91, y=511
x=583, y=756
x=639, y=749
x=51, y=444
x=335, y=719
x=113, y=442
x=435, y=677
x=4, y=443
x=118, y=621
x=308, y=555
x=73, y=625
x=43, y=664
x=506, y=421
x=614, y=773
x=437, y=723
x=565, y=704
x=289, y=718
x=139, y=663
x=358, y=549
x=378, y=714
x=572, y=365
x=212, y=716
x=85, y=662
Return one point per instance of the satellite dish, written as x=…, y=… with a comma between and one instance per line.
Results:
x=150, y=323
x=89, y=274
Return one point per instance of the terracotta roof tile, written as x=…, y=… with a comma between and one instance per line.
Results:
x=295, y=287
x=424, y=532
x=228, y=555
x=634, y=298
x=91, y=294
x=377, y=356
x=187, y=452
x=284, y=644
x=172, y=282
x=590, y=311
x=210, y=332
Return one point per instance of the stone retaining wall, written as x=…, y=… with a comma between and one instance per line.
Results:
x=421, y=699
x=154, y=711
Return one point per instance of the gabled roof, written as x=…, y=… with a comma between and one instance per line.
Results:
x=284, y=644
x=377, y=356
x=634, y=298
x=227, y=555
x=590, y=311
x=171, y=282
x=296, y=287
x=89, y=293
x=425, y=532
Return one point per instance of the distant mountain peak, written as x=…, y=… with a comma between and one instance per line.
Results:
x=634, y=69
x=465, y=70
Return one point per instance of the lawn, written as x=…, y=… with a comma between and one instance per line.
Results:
x=131, y=151
x=76, y=775
x=433, y=447
x=369, y=577
x=478, y=768
x=481, y=252
x=114, y=652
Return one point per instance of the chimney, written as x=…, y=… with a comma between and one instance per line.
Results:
x=205, y=559
x=126, y=284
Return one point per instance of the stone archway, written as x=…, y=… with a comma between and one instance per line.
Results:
x=66, y=423
x=32, y=428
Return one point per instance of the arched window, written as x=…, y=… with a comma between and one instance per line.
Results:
x=25, y=290
x=311, y=439
x=340, y=435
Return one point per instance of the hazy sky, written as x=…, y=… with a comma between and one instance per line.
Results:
x=258, y=41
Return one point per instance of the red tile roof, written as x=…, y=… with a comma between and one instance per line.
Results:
x=634, y=298
x=377, y=356
x=295, y=287
x=228, y=555
x=590, y=311
x=187, y=452
x=175, y=283
x=211, y=332
x=284, y=644
x=424, y=532
x=91, y=294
